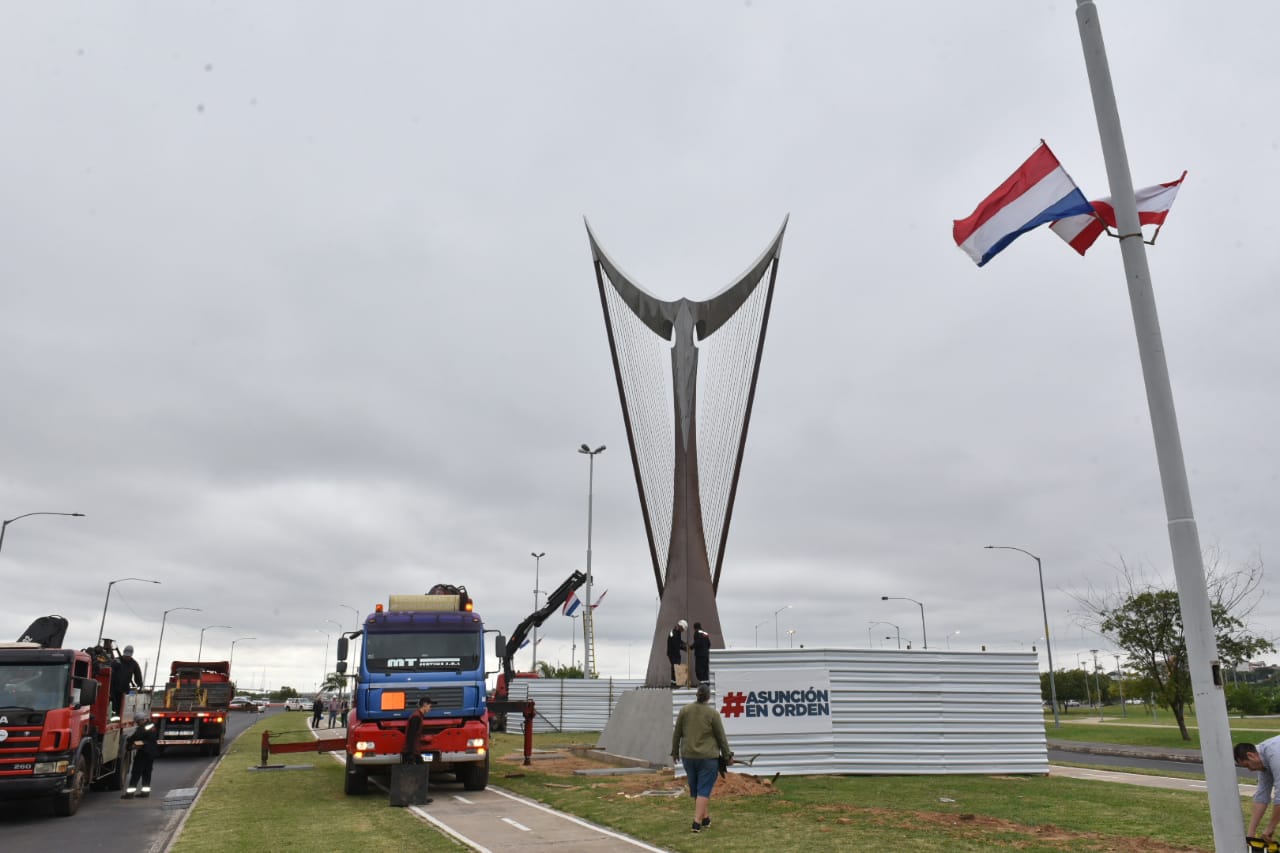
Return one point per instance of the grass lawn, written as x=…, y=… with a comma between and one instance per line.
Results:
x=302, y=810
x=306, y=810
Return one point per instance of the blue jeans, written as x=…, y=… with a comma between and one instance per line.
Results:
x=702, y=775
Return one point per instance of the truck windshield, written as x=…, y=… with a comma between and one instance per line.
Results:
x=38, y=686
x=451, y=652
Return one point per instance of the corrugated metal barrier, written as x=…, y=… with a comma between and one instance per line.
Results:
x=892, y=712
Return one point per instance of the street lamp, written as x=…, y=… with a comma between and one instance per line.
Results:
x=949, y=636
x=160, y=645
x=775, y=624
x=1084, y=671
x=1124, y=707
x=231, y=659
x=537, y=566
x=891, y=625
x=355, y=614
x=5, y=524
x=324, y=669
x=200, y=648
x=1048, y=646
x=791, y=637
x=103, y=623
x=1097, y=682
x=924, y=635
x=588, y=660
x=758, y=624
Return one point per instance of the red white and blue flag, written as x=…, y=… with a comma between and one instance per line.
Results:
x=1039, y=191
x=596, y=603
x=571, y=604
x=1080, y=232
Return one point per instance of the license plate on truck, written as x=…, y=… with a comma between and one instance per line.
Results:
x=179, y=732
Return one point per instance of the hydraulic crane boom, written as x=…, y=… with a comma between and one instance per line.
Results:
x=535, y=619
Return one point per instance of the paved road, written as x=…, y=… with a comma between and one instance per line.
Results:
x=105, y=823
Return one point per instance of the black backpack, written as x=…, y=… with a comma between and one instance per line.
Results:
x=48, y=631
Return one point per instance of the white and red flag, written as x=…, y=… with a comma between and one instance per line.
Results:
x=1081, y=231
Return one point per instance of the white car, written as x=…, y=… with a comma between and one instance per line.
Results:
x=296, y=703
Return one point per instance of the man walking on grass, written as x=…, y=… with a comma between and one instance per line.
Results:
x=1263, y=759
x=699, y=739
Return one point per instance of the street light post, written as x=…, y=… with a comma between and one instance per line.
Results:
x=160, y=645
x=791, y=638
x=5, y=524
x=758, y=624
x=588, y=621
x=324, y=669
x=949, y=636
x=103, y=623
x=537, y=566
x=1048, y=645
x=1124, y=708
x=891, y=625
x=775, y=624
x=355, y=614
x=232, y=659
x=1084, y=671
x=924, y=634
x=1097, y=682
x=200, y=648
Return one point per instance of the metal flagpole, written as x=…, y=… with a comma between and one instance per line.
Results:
x=1184, y=539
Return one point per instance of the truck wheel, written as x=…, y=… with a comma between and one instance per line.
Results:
x=65, y=804
x=475, y=777
x=216, y=747
x=120, y=775
x=356, y=779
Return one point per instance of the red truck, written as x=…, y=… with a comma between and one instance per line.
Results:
x=58, y=735
x=193, y=710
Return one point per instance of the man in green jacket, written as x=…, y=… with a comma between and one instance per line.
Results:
x=699, y=739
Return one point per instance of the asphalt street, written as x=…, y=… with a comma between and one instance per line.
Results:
x=105, y=822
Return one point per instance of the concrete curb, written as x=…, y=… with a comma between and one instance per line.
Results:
x=1190, y=756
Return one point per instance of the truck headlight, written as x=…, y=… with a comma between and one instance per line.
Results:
x=475, y=742
x=50, y=767
x=364, y=745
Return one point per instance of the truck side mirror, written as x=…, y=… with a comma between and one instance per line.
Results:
x=342, y=653
x=499, y=646
x=88, y=691
x=342, y=667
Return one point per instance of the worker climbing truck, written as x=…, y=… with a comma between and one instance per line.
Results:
x=193, y=710
x=58, y=734
x=430, y=644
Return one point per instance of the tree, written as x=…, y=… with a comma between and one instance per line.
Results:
x=546, y=670
x=1146, y=621
x=334, y=681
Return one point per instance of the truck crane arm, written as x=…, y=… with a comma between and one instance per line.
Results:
x=535, y=619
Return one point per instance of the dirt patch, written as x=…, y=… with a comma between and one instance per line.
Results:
x=564, y=763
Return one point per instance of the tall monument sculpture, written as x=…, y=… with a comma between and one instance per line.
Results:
x=686, y=374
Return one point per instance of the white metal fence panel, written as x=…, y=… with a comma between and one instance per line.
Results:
x=570, y=704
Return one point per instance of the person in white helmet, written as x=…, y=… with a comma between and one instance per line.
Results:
x=126, y=675
x=678, y=655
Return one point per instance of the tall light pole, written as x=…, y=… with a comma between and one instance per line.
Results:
x=5, y=524
x=1044, y=610
x=791, y=638
x=1084, y=671
x=949, y=636
x=1124, y=708
x=924, y=634
x=775, y=624
x=1097, y=682
x=103, y=623
x=537, y=566
x=355, y=616
x=324, y=673
x=891, y=625
x=758, y=624
x=200, y=648
x=588, y=658
x=231, y=659
x=160, y=645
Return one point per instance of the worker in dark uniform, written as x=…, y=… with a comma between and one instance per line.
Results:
x=701, y=654
x=145, y=743
x=676, y=655
x=412, y=753
x=126, y=675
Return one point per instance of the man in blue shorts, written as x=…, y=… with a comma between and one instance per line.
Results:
x=699, y=739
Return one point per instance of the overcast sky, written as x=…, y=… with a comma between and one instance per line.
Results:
x=297, y=306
